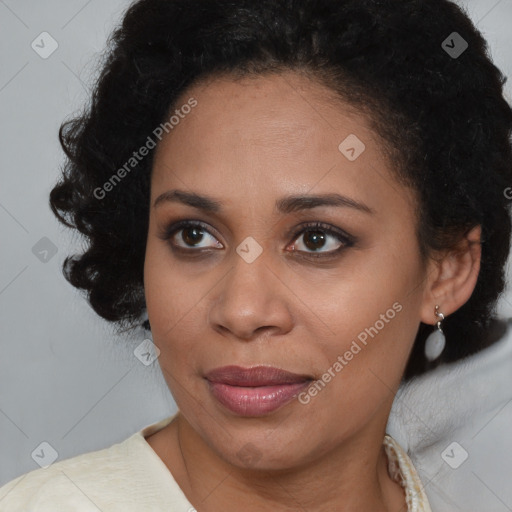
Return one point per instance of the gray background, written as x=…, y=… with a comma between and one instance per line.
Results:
x=64, y=377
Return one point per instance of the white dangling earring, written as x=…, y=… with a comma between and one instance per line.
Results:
x=436, y=341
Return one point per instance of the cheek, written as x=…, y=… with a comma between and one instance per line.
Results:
x=365, y=293
x=166, y=289
x=371, y=317
x=167, y=306
x=362, y=365
x=158, y=287
x=175, y=304
x=165, y=292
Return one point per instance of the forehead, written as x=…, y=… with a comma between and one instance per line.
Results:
x=284, y=108
x=282, y=133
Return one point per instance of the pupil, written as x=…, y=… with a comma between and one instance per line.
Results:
x=317, y=238
x=196, y=236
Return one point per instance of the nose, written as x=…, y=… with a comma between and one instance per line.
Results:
x=251, y=301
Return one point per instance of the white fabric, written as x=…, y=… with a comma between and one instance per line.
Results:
x=125, y=477
x=402, y=471
x=470, y=403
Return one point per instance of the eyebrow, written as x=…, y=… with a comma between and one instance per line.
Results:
x=288, y=204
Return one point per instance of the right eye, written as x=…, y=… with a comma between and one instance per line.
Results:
x=190, y=234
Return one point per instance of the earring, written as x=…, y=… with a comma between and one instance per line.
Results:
x=436, y=341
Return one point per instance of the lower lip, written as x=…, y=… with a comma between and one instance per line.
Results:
x=255, y=401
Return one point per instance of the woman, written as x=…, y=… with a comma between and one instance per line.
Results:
x=307, y=200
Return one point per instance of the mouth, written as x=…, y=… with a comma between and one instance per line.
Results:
x=255, y=391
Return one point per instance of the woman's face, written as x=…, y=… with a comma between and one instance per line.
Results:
x=258, y=284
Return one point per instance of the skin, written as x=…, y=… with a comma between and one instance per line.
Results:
x=248, y=143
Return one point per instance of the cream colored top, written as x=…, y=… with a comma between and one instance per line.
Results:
x=130, y=477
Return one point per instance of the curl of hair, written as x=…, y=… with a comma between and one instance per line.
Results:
x=444, y=120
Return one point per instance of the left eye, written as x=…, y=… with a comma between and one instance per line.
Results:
x=317, y=236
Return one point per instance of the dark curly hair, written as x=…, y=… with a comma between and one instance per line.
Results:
x=443, y=117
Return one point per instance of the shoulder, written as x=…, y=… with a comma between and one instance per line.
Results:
x=127, y=476
x=82, y=481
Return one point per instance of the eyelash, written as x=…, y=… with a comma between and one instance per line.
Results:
x=346, y=239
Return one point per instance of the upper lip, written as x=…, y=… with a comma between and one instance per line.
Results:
x=254, y=376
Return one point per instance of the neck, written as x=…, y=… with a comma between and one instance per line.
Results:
x=353, y=476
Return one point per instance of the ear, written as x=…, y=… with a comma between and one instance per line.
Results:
x=452, y=277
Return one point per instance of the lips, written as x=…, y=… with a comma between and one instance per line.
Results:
x=255, y=376
x=255, y=391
